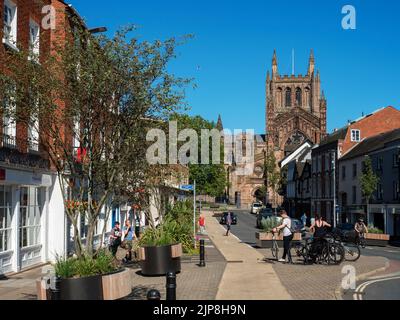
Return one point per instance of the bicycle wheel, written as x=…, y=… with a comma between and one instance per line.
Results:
x=333, y=253
x=352, y=252
x=275, y=250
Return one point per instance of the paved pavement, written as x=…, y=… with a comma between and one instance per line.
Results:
x=193, y=282
x=308, y=282
x=246, y=276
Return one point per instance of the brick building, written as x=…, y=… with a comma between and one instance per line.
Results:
x=326, y=154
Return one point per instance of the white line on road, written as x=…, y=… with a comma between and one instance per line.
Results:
x=360, y=290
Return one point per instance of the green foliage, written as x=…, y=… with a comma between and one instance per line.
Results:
x=368, y=180
x=102, y=263
x=210, y=178
x=177, y=227
x=373, y=230
x=270, y=223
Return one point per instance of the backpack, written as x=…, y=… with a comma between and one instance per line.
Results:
x=291, y=229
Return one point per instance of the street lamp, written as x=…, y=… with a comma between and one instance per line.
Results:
x=97, y=30
x=334, y=186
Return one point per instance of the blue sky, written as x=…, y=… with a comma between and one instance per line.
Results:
x=234, y=41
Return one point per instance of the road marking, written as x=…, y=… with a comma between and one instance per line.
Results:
x=359, y=292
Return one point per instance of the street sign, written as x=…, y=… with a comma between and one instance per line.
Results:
x=187, y=187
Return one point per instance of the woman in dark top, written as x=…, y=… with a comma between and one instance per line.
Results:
x=319, y=229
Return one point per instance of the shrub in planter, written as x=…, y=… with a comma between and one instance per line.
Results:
x=270, y=223
x=82, y=279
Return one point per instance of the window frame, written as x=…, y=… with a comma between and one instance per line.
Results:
x=6, y=220
x=355, y=135
x=11, y=12
x=34, y=44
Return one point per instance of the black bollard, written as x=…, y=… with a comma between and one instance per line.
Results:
x=55, y=291
x=202, y=254
x=153, y=295
x=171, y=286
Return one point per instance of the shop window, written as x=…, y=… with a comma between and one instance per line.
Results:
x=5, y=218
x=31, y=206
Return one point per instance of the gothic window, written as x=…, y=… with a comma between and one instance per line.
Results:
x=288, y=99
x=307, y=97
x=299, y=97
x=279, y=97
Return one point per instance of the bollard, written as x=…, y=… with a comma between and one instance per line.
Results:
x=153, y=295
x=171, y=286
x=55, y=292
x=202, y=253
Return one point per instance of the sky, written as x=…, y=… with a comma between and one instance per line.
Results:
x=234, y=41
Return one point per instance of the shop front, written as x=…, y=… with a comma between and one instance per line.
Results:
x=24, y=199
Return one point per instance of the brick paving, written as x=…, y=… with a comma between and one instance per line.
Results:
x=193, y=282
x=318, y=282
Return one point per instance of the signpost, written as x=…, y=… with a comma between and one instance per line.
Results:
x=192, y=187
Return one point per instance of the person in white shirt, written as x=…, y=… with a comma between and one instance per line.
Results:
x=287, y=236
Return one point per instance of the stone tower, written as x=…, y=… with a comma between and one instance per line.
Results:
x=295, y=109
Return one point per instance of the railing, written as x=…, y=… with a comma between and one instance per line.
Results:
x=8, y=141
x=33, y=146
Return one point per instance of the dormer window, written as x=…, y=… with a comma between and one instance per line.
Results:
x=34, y=40
x=10, y=24
x=355, y=135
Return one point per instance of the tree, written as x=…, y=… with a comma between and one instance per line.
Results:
x=272, y=174
x=210, y=178
x=369, y=181
x=91, y=101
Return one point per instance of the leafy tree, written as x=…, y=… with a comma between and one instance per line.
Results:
x=369, y=181
x=210, y=178
x=272, y=174
x=101, y=93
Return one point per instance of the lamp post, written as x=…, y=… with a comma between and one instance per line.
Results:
x=97, y=30
x=334, y=187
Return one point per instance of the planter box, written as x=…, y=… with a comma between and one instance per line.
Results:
x=373, y=239
x=264, y=239
x=159, y=260
x=111, y=286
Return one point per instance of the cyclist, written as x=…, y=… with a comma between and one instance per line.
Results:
x=319, y=229
x=361, y=229
x=287, y=235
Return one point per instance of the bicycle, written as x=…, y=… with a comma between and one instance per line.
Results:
x=274, y=247
x=352, y=251
x=360, y=240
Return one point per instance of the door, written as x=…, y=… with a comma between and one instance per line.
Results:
x=396, y=225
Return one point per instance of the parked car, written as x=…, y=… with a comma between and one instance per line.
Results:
x=225, y=215
x=256, y=207
x=263, y=214
x=346, y=231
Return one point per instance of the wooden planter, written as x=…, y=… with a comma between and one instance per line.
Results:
x=264, y=239
x=374, y=239
x=111, y=286
x=159, y=260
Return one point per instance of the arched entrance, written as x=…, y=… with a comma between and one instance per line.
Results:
x=259, y=195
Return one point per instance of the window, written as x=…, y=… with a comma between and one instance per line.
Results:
x=288, y=98
x=9, y=123
x=396, y=190
x=354, y=170
x=396, y=160
x=10, y=24
x=379, y=191
x=343, y=172
x=354, y=195
x=34, y=40
x=5, y=218
x=33, y=130
x=379, y=164
x=30, y=216
x=355, y=135
x=298, y=97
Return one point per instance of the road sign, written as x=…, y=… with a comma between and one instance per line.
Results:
x=187, y=187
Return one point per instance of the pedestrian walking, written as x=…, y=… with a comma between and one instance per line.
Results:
x=202, y=224
x=304, y=219
x=228, y=223
x=115, y=238
x=127, y=243
x=287, y=235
